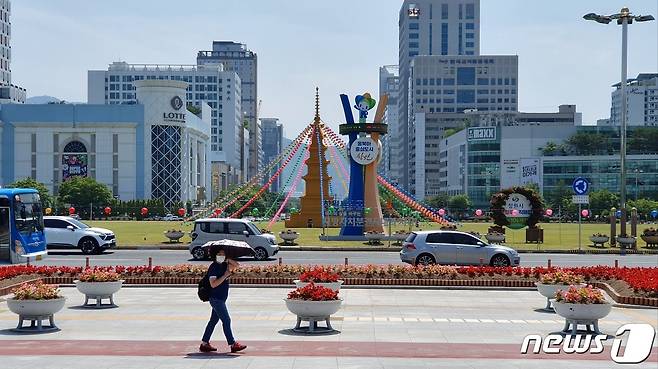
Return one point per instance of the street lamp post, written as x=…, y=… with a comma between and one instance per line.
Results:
x=624, y=18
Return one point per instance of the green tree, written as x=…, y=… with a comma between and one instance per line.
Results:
x=84, y=191
x=602, y=201
x=643, y=206
x=46, y=199
x=459, y=203
x=643, y=140
x=439, y=201
x=588, y=143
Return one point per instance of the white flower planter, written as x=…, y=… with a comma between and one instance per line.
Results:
x=98, y=288
x=495, y=238
x=174, y=236
x=313, y=309
x=35, y=308
x=582, y=312
x=289, y=238
x=99, y=291
x=549, y=290
x=400, y=236
x=599, y=240
x=626, y=241
x=331, y=285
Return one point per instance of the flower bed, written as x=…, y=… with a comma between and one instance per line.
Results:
x=561, y=277
x=633, y=281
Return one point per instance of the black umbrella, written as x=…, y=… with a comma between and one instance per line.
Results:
x=232, y=249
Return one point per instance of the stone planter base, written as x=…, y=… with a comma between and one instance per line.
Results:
x=99, y=291
x=312, y=327
x=571, y=326
x=99, y=302
x=36, y=324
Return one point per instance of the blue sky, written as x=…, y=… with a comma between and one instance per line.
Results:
x=336, y=45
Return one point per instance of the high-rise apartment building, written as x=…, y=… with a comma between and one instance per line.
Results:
x=9, y=93
x=237, y=58
x=210, y=84
x=641, y=101
x=432, y=27
x=389, y=83
x=272, y=147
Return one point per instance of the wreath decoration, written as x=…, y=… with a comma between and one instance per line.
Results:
x=498, y=206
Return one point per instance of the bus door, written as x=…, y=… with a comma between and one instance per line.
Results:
x=5, y=239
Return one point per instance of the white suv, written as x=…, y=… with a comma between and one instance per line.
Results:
x=213, y=229
x=69, y=232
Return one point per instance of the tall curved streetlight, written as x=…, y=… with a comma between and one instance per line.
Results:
x=623, y=18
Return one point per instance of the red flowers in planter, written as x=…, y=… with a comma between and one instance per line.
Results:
x=311, y=292
x=96, y=275
x=319, y=275
x=580, y=295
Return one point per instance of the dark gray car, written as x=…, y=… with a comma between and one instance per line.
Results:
x=454, y=248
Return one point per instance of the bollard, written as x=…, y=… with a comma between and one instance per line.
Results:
x=549, y=263
x=280, y=261
x=346, y=262
x=28, y=261
x=87, y=262
x=616, y=263
x=481, y=261
x=150, y=262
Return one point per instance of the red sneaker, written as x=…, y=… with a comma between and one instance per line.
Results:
x=237, y=347
x=206, y=347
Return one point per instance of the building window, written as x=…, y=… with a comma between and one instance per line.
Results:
x=413, y=45
x=465, y=96
x=470, y=11
x=448, y=81
x=466, y=76
x=444, y=38
x=470, y=26
x=444, y=11
x=413, y=26
x=413, y=36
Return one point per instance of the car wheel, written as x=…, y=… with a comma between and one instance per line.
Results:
x=500, y=261
x=260, y=254
x=425, y=259
x=88, y=245
x=198, y=253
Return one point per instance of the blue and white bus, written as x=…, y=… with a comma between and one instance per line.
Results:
x=21, y=225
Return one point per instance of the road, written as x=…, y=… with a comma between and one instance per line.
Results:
x=169, y=257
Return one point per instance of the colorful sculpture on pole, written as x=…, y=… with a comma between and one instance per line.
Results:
x=362, y=210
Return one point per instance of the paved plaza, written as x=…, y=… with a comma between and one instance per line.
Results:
x=377, y=328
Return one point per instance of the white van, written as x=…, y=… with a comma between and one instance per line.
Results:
x=213, y=229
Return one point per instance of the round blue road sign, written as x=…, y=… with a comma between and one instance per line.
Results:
x=580, y=186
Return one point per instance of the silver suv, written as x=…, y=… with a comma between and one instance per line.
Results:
x=69, y=232
x=452, y=247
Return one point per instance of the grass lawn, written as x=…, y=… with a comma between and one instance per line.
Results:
x=556, y=235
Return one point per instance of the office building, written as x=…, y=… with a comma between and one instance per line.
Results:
x=152, y=149
x=641, y=100
x=272, y=147
x=237, y=58
x=431, y=27
x=535, y=148
x=206, y=84
x=389, y=83
x=9, y=93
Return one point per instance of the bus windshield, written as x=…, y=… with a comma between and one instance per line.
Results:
x=28, y=214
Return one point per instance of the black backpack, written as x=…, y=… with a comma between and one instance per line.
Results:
x=204, y=288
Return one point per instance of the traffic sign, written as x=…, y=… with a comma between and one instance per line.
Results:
x=580, y=199
x=580, y=186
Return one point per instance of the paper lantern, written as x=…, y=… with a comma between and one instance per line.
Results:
x=442, y=212
x=584, y=212
x=478, y=212
x=549, y=212
x=218, y=211
x=515, y=212
x=181, y=211
x=654, y=213
x=71, y=210
x=50, y=211
x=107, y=210
x=618, y=214
x=144, y=211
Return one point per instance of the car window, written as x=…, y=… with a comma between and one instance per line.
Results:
x=216, y=227
x=236, y=228
x=203, y=227
x=464, y=239
x=410, y=238
x=439, y=238
x=55, y=223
